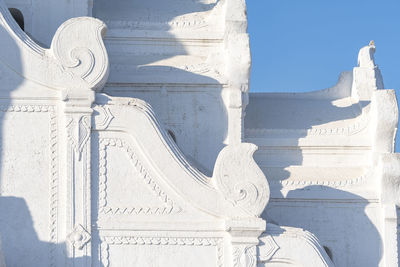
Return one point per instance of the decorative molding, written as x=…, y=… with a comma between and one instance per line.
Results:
x=79, y=237
x=77, y=58
x=334, y=184
x=175, y=152
x=202, y=68
x=220, y=253
x=171, y=241
x=145, y=23
x=245, y=256
x=78, y=131
x=240, y=180
x=26, y=108
x=53, y=185
x=104, y=111
x=77, y=127
x=105, y=253
x=53, y=178
x=85, y=58
x=247, y=192
x=107, y=241
x=349, y=130
x=267, y=248
x=169, y=205
x=305, y=243
x=7, y=19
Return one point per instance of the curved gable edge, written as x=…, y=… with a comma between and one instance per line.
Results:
x=77, y=58
x=293, y=246
x=238, y=188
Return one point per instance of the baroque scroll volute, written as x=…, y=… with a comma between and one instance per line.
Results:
x=240, y=180
x=78, y=46
x=77, y=57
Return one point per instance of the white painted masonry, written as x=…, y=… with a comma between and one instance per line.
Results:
x=127, y=137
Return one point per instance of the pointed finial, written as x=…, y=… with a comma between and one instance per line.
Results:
x=366, y=56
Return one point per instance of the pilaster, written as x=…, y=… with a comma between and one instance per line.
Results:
x=238, y=64
x=244, y=234
x=77, y=125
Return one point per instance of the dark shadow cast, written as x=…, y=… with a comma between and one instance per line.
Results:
x=340, y=216
x=142, y=44
x=292, y=117
x=340, y=220
x=21, y=243
x=22, y=226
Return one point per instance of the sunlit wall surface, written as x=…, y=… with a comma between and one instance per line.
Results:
x=303, y=45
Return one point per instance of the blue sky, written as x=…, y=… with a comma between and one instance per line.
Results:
x=303, y=45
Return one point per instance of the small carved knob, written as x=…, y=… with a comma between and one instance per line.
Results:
x=79, y=237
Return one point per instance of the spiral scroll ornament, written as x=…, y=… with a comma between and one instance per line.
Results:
x=240, y=180
x=78, y=46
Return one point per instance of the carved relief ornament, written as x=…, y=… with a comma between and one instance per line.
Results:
x=77, y=57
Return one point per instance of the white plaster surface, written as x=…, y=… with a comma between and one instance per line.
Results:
x=328, y=156
x=135, y=147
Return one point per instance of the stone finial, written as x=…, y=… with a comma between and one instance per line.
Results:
x=366, y=56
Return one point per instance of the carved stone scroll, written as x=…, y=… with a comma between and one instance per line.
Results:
x=240, y=180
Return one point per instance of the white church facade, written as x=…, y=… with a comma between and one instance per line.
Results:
x=129, y=136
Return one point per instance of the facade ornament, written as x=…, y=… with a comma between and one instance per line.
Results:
x=240, y=180
x=291, y=245
x=245, y=256
x=267, y=248
x=76, y=59
x=102, y=117
x=367, y=77
x=78, y=128
x=366, y=56
x=79, y=237
x=100, y=172
x=85, y=58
